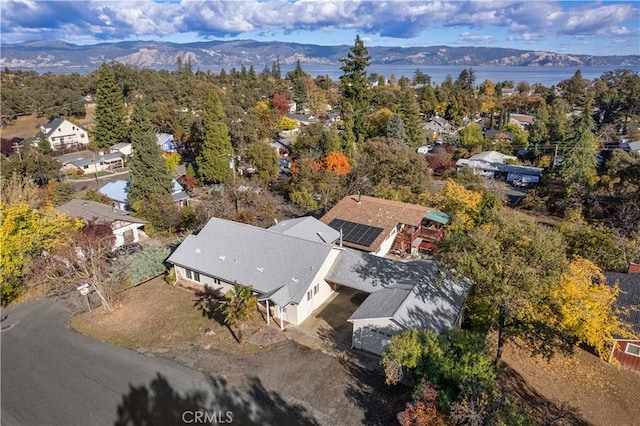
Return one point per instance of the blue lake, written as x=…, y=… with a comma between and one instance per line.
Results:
x=548, y=76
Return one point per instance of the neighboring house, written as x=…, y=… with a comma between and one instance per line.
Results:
x=492, y=164
x=166, y=143
x=499, y=136
x=122, y=148
x=117, y=192
x=381, y=226
x=92, y=164
x=524, y=121
x=437, y=126
x=631, y=146
x=294, y=271
x=63, y=134
x=126, y=229
x=625, y=350
x=402, y=296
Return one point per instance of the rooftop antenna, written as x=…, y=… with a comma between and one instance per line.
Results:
x=359, y=197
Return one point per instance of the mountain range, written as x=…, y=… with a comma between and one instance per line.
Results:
x=59, y=55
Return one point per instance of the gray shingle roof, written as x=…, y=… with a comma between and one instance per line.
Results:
x=91, y=210
x=51, y=126
x=254, y=256
x=629, y=296
x=414, y=294
x=308, y=228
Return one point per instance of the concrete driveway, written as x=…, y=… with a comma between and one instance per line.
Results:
x=329, y=322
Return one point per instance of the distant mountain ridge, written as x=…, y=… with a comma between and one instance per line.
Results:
x=53, y=55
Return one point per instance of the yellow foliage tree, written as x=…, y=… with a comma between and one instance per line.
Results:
x=26, y=232
x=173, y=159
x=461, y=204
x=587, y=306
x=286, y=123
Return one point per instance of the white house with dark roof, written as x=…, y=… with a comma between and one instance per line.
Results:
x=294, y=268
x=63, y=134
x=126, y=229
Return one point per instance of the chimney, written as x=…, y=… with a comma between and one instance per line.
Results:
x=359, y=197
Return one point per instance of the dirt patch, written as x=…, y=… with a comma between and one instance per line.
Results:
x=156, y=314
x=601, y=393
x=159, y=320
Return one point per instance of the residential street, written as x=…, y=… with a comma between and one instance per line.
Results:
x=52, y=375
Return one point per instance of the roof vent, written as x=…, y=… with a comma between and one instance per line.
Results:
x=294, y=279
x=259, y=268
x=198, y=251
x=222, y=257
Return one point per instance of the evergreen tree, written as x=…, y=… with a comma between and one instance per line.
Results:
x=275, y=69
x=184, y=96
x=216, y=153
x=150, y=177
x=581, y=150
x=539, y=131
x=355, y=87
x=44, y=144
x=395, y=129
x=348, y=136
x=111, y=127
x=298, y=77
x=411, y=118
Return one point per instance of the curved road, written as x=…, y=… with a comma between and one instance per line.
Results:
x=52, y=375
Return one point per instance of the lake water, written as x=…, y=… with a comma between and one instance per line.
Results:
x=548, y=76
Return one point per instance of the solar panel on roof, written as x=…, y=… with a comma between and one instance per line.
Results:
x=356, y=233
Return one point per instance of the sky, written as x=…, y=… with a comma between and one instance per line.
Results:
x=578, y=27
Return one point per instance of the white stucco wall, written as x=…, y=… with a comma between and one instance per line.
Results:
x=373, y=335
x=306, y=307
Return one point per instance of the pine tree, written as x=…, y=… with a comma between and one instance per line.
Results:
x=355, y=87
x=275, y=69
x=150, y=177
x=44, y=144
x=411, y=117
x=581, y=149
x=395, y=129
x=539, y=131
x=216, y=152
x=348, y=136
x=111, y=127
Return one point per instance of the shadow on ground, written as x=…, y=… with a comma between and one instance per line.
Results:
x=549, y=412
x=160, y=404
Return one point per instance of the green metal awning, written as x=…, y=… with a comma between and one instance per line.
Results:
x=438, y=216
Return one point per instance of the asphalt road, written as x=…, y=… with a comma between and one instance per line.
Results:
x=52, y=375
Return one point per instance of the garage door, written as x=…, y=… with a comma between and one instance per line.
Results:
x=373, y=339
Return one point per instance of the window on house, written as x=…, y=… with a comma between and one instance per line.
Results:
x=196, y=276
x=189, y=274
x=309, y=295
x=216, y=281
x=316, y=288
x=85, y=167
x=632, y=349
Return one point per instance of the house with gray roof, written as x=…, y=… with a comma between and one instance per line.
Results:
x=294, y=268
x=126, y=229
x=287, y=272
x=118, y=191
x=403, y=295
x=63, y=134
